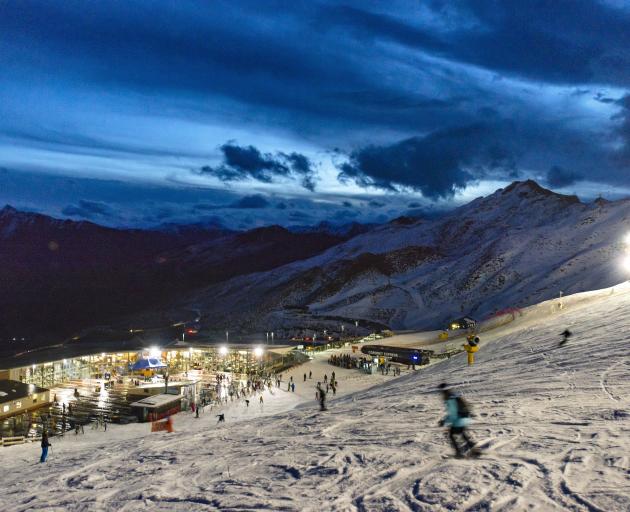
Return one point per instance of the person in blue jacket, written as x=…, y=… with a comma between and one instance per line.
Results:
x=458, y=418
x=45, y=445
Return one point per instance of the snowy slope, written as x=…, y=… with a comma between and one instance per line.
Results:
x=556, y=423
x=516, y=247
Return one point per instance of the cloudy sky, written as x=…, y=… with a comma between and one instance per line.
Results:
x=253, y=112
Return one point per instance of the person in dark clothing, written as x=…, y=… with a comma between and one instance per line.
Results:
x=321, y=395
x=310, y=374
x=305, y=377
x=45, y=445
x=221, y=418
x=246, y=403
x=458, y=418
x=565, y=337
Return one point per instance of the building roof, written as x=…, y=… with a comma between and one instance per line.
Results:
x=153, y=402
x=14, y=390
x=148, y=363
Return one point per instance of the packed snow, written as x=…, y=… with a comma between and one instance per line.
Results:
x=554, y=423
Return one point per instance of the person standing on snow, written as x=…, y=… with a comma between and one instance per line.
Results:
x=458, y=418
x=565, y=336
x=305, y=377
x=321, y=395
x=45, y=445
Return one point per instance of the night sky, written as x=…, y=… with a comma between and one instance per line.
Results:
x=248, y=113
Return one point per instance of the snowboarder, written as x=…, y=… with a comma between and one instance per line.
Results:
x=458, y=417
x=321, y=395
x=565, y=336
x=221, y=418
x=45, y=445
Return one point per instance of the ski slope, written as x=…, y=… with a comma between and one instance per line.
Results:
x=555, y=422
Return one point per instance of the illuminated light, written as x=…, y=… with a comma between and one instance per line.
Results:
x=102, y=354
x=191, y=350
x=155, y=352
x=65, y=361
x=258, y=351
x=223, y=351
x=626, y=263
x=626, y=239
x=33, y=367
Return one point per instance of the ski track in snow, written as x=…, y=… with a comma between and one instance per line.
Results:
x=554, y=424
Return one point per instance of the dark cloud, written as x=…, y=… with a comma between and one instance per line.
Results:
x=88, y=209
x=568, y=41
x=375, y=204
x=437, y=164
x=247, y=162
x=281, y=206
x=560, y=177
x=251, y=202
x=347, y=204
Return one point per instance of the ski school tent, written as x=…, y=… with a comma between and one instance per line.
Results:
x=147, y=363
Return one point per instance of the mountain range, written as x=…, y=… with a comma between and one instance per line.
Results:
x=515, y=247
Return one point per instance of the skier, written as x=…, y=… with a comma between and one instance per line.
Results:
x=293, y=387
x=305, y=377
x=221, y=418
x=458, y=417
x=246, y=403
x=321, y=394
x=261, y=400
x=45, y=445
x=310, y=374
x=565, y=336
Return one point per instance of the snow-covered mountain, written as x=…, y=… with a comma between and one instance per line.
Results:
x=518, y=246
x=59, y=278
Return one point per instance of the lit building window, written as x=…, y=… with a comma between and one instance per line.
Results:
x=5, y=408
x=18, y=405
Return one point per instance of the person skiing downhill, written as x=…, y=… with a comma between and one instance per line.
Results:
x=565, y=336
x=458, y=418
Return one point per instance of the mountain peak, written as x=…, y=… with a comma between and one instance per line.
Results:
x=531, y=189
